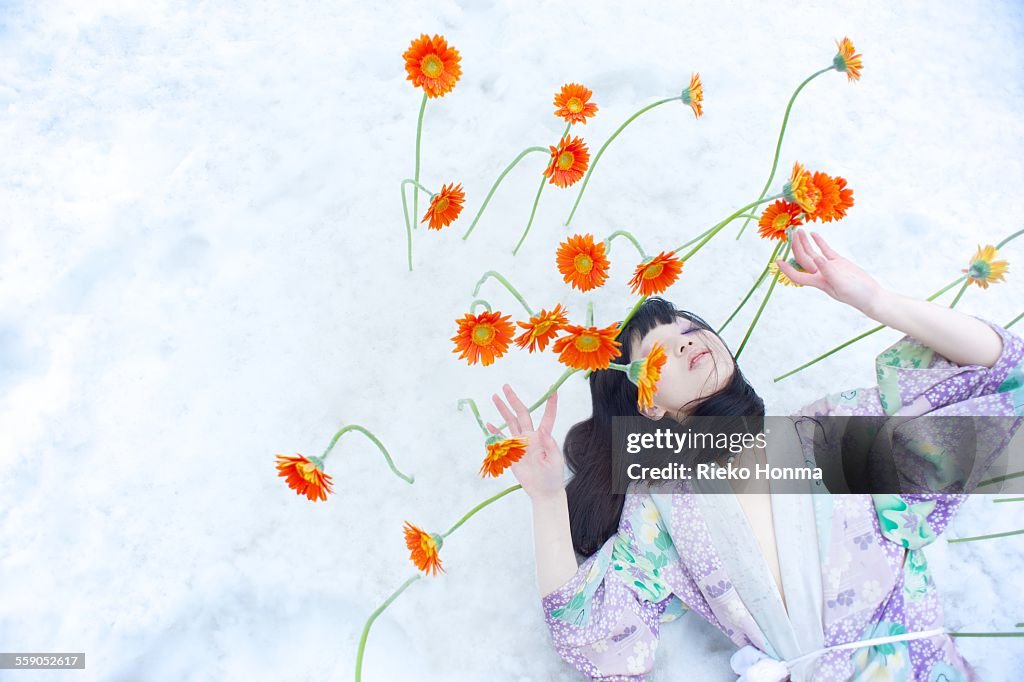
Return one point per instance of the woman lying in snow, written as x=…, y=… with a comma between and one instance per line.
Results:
x=788, y=578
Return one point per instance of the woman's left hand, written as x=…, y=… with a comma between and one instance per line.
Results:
x=836, y=276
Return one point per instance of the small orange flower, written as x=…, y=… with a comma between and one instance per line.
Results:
x=573, y=103
x=542, y=328
x=800, y=190
x=445, y=207
x=693, y=95
x=834, y=201
x=777, y=218
x=305, y=476
x=588, y=347
x=432, y=65
x=984, y=269
x=846, y=60
x=569, y=161
x=582, y=262
x=645, y=374
x=656, y=275
x=483, y=337
x=501, y=454
x=423, y=549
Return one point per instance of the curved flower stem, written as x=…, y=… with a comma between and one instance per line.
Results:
x=1000, y=479
x=1013, y=321
x=360, y=429
x=1009, y=239
x=547, y=394
x=476, y=413
x=405, y=214
x=416, y=175
x=590, y=313
x=757, y=316
x=698, y=237
x=479, y=301
x=714, y=230
x=478, y=507
x=764, y=273
x=498, y=182
x=989, y=537
x=512, y=290
x=627, y=235
x=750, y=215
x=593, y=165
x=533, y=211
x=373, y=617
x=959, y=294
x=782, y=133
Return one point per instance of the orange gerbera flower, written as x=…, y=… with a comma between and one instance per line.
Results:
x=645, y=374
x=445, y=207
x=834, y=201
x=432, y=65
x=778, y=218
x=984, y=269
x=693, y=95
x=569, y=161
x=483, y=337
x=583, y=263
x=542, y=328
x=588, y=347
x=573, y=103
x=423, y=548
x=800, y=190
x=846, y=60
x=501, y=454
x=305, y=476
x=656, y=275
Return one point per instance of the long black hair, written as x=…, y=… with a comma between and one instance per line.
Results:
x=594, y=510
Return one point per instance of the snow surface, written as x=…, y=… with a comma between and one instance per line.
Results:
x=203, y=265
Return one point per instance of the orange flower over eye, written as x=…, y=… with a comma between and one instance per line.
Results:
x=582, y=262
x=445, y=207
x=433, y=65
x=501, y=454
x=542, y=328
x=423, y=549
x=778, y=218
x=693, y=95
x=846, y=61
x=656, y=275
x=484, y=337
x=573, y=103
x=588, y=348
x=305, y=476
x=569, y=161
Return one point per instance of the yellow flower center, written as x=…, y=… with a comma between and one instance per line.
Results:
x=307, y=470
x=441, y=205
x=483, y=334
x=587, y=343
x=653, y=271
x=574, y=105
x=565, y=160
x=583, y=263
x=781, y=221
x=542, y=328
x=432, y=65
x=427, y=544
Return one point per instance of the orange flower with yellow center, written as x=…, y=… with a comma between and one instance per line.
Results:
x=984, y=269
x=483, y=337
x=569, y=161
x=501, y=454
x=656, y=275
x=423, y=549
x=588, y=347
x=835, y=199
x=845, y=60
x=778, y=218
x=583, y=263
x=432, y=65
x=693, y=95
x=445, y=207
x=645, y=374
x=783, y=278
x=542, y=328
x=573, y=103
x=305, y=476
x=800, y=190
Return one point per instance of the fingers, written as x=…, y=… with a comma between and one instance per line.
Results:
x=547, y=422
x=800, y=249
x=795, y=275
x=522, y=413
x=493, y=429
x=550, y=445
x=506, y=414
x=829, y=252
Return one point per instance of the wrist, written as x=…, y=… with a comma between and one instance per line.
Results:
x=555, y=499
x=879, y=307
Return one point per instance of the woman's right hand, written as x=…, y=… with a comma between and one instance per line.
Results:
x=541, y=471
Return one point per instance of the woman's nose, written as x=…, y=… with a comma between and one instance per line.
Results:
x=683, y=347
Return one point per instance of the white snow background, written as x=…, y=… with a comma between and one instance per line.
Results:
x=202, y=264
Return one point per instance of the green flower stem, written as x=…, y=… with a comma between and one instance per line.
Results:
x=405, y=214
x=497, y=182
x=593, y=164
x=1009, y=239
x=1013, y=321
x=409, y=181
x=627, y=235
x=476, y=413
x=479, y=301
x=590, y=313
x=533, y=211
x=989, y=537
x=547, y=394
x=360, y=429
x=416, y=175
x=373, y=617
x=478, y=507
x=764, y=273
x=1010, y=499
x=757, y=316
x=565, y=132
x=512, y=290
x=960, y=293
x=698, y=237
x=714, y=230
x=986, y=634
x=1000, y=479
x=750, y=215
x=782, y=133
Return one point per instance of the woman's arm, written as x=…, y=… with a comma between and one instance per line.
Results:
x=552, y=542
x=961, y=338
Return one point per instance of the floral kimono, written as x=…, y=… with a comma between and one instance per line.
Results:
x=853, y=566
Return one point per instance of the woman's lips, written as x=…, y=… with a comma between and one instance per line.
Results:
x=696, y=358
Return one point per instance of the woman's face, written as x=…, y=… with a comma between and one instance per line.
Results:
x=698, y=365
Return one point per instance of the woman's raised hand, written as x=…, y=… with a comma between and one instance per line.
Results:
x=541, y=471
x=838, y=277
